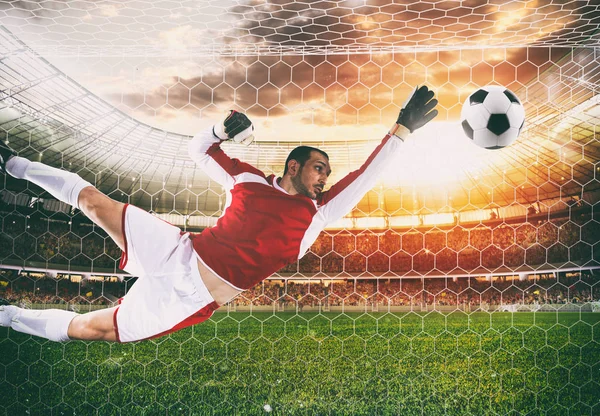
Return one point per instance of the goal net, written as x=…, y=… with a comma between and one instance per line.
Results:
x=465, y=282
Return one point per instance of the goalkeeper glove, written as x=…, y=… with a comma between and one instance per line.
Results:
x=418, y=109
x=237, y=127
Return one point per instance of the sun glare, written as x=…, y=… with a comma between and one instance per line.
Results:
x=439, y=154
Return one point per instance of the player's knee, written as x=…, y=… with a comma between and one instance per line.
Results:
x=81, y=327
x=95, y=204
x=87, y=327
x=88, y=201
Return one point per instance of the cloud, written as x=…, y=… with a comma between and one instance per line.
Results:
x=338, y=89
x=179, y=38
x=110, y=10
x=331, y=90
x=376, y=23
x=341, y=89
x=314, y=24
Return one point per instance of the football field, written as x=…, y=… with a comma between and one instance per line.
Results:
x=318, y=363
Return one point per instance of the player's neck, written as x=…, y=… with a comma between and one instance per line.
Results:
x=286, y=184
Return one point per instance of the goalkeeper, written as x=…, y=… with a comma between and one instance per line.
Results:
x=267, y=223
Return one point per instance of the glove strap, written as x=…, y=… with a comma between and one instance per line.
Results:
x=400, y=131
x=219, y=132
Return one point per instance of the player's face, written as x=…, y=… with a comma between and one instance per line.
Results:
x=312, y=177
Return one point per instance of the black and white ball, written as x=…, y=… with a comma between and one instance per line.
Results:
x=492, y=117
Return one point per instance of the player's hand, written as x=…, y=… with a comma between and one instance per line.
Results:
x=418, y=110
x=237, y=127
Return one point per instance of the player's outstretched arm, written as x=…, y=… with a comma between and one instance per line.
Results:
x=418, y=110
x=205, y=149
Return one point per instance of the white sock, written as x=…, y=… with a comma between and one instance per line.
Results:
x=61, y=184
x=51, y=324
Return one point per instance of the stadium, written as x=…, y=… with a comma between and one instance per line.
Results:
x=467, y=282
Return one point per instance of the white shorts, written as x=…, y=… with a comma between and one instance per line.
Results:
x=169, y=294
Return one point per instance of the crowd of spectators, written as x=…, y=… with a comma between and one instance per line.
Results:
x=342, y=264
x=40, y=288
x=547, y=289
x=554, y=288
x=457, y=249
x=62, y=244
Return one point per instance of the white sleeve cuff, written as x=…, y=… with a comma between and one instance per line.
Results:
x=219, y=132
x=402, y=132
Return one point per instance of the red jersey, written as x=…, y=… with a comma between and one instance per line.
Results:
x=263, y=228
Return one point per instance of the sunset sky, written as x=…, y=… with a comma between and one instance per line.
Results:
x=165, y=63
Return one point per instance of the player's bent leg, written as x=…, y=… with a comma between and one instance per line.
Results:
x=94, y=326
x=105, y=212
x=51, y=324
x=58, y=324
x=67, y=187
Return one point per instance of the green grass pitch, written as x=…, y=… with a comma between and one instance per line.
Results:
x=318, y=364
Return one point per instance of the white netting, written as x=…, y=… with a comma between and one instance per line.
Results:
x=464, y=283
x=234, y=27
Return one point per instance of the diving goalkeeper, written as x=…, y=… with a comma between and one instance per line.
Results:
x=267, y=223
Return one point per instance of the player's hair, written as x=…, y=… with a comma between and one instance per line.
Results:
x=301, y=154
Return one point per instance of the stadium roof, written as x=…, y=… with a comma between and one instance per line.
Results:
x=46, y=115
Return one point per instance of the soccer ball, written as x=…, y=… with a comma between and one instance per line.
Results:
x=492, y=117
